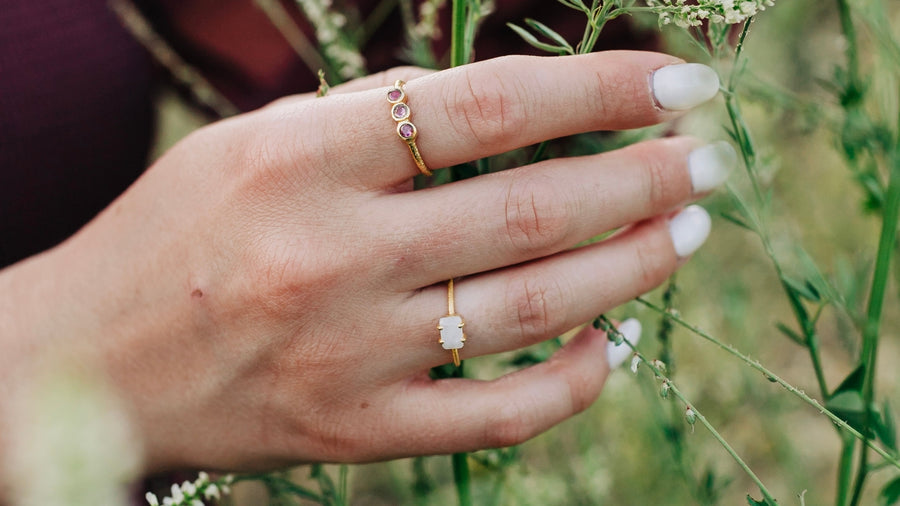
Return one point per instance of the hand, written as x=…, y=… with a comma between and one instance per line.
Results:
x=268, y=292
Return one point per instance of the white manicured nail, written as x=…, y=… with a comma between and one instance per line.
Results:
x=689, y=230
x=681, y=87
x=711, y=165
x=616, y=355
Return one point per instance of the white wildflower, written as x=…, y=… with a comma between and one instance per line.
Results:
x=635, y=362
x=427, y=27
x=716, y=11
x=336, y=45
x=212, y=492
x=177, y=494
x=193, y=494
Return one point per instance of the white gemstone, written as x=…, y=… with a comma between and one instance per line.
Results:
x=451, y=332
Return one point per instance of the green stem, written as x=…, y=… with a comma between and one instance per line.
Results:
x=343, y=489
x=869, y=355
x=462, y=479
x=771, y=376
x=852, y=52
x=458, y=54
x=845, y=471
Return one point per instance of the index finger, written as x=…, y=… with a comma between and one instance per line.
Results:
x=494, y=106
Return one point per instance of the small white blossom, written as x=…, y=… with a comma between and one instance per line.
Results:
x=691, y=416
x=188, y=488
x=151, y=499
x=177, y=494
x=212, y=492
x=635, y=362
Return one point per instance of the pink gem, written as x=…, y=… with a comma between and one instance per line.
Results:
x=400, y=111
x=394, y=95
x=406, y=130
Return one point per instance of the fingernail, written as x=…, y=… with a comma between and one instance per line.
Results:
x=681, y=87
x=616, y=355
x=710, y=165
x=689, y=230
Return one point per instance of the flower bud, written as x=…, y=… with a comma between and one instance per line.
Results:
x=691, y=416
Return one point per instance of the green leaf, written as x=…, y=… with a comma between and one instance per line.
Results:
x=548, y=32
x=753, y=502
x=578, y=5
x=737, y=221
x=886, y=427
x=804, y=290
x=853, y=382
x=890, y=494
x=533, y=41
x=849, y=406
x=793, y=336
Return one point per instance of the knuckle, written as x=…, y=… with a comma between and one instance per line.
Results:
x=661, y=184
x=583, y=389
x=508, y=426
x=537, y=216
x=538, y=306
x=486, y=106
x=652, y=267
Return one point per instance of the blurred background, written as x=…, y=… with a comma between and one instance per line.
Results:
x=633, y=447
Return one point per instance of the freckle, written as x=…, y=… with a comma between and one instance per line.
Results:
x=364, y=405
x=197, y=293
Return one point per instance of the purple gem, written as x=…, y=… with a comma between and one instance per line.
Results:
x=406, y=130
x=394, y=95
x=400, y=111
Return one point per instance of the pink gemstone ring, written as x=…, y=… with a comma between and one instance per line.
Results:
x=400, y=113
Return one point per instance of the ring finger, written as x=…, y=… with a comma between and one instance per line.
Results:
x=521, y=305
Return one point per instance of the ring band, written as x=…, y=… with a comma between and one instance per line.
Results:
x=451, y=327
x=401, y=112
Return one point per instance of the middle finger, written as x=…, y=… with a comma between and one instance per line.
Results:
x=518, y=215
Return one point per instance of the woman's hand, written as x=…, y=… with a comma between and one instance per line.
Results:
x=268, y=292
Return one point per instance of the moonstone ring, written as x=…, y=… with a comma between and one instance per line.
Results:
x=451, y=327
x=400, y=112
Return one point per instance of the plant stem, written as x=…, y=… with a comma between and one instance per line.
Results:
x=712, y=430
x=771, y=376
x=869, y=354
x=462, y=479
x=283, y=22
x=845, y=471
x=458, y=53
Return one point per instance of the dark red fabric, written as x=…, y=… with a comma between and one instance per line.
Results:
x=75, y=118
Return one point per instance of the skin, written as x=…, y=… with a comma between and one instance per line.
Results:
x=267, y=292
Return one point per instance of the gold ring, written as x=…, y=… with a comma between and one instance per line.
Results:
x=451, y=327
x=400, y=112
